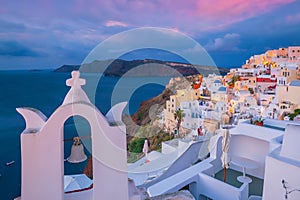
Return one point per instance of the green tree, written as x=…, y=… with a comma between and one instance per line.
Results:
x=297, y=111
x=294, y=114
x=233, y=80
x=136, y=145
x=178, y=116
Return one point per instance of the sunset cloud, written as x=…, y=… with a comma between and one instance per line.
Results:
x=293, y=18
x=111, y=23
x=55, y=27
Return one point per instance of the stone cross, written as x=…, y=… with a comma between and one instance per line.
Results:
x=75, y=81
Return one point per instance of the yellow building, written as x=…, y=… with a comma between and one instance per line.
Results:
x=174, y=103
x=290, y=72
x=289, y=93
x=271, y=54
x=242, y=84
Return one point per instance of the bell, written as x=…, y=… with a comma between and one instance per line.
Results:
x=77, y=152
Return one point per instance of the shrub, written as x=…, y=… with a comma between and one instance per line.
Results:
x=136, y=145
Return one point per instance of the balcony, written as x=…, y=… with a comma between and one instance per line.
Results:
x=255, y=187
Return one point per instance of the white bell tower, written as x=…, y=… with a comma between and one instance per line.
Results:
x=42, y=149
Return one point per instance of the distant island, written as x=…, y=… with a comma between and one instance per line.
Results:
x=118, y=67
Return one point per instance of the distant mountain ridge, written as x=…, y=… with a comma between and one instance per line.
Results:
x=150, y=67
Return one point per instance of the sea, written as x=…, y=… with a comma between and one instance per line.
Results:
x=45, y=90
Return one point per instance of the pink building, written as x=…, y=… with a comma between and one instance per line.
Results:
x=294, y=53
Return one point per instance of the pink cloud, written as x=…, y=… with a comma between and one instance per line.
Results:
x=190, y=15
x=293, y=18
x=111, y=23
x=221, y=13
x=237, y=8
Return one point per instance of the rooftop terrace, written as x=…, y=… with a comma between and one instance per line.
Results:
x=255, y=187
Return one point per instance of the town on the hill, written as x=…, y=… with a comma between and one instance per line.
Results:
x=266, y=86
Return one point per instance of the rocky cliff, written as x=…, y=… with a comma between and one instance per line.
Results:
x=154, y=106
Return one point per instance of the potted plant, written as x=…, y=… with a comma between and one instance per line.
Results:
x=259, y=122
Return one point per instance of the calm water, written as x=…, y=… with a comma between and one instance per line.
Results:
x=45, y=91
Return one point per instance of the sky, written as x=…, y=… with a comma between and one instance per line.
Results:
x=50, y=33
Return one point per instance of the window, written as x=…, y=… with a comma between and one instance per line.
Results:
x=283, y=107
x=293, y=51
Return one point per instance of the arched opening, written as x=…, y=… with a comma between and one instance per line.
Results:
x=78, y=174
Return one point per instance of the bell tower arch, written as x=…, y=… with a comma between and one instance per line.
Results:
x=42, y=148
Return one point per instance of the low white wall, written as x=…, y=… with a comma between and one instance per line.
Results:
x=179, y=180
x=166, y=148
x=216, y=189
x=278, y=169
x=290, y=143
x=250, y=148
x=182, y=146
x=84, y=195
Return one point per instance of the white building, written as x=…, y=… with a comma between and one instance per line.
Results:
x=282, y=80
x=272, y=111
x=220, y=108
x=245, y=72
x=209, y=81
x=265, y=153
x=220, y=94
x=42, y=150
x=193, y=115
